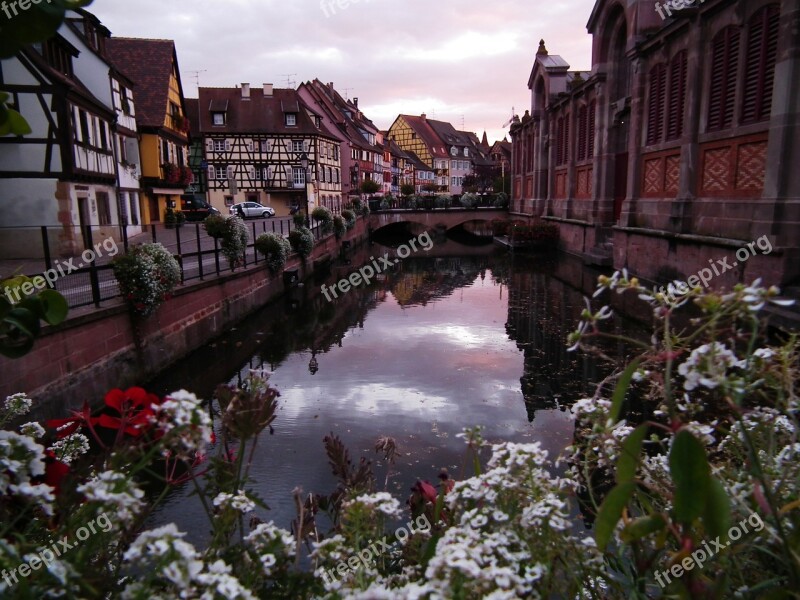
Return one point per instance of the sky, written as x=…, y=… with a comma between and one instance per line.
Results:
x=463, y=61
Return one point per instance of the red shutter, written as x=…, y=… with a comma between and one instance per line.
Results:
x=582, y=126
x=677, y=95
x=566, y=138
x=762, y=49
x=590, y=144
x=655, y=114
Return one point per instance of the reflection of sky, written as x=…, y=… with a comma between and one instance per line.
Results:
x=418, y=374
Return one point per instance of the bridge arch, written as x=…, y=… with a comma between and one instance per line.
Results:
x=434, y=219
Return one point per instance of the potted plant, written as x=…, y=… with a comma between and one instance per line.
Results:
x=170, y=220
x=275, y=248
x=180, y=218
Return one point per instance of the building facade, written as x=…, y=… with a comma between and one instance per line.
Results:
x=161, y=119
x=267, y=146
x=677, y=147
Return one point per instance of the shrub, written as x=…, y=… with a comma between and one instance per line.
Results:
x=407, y=189
x=339, y=226
x=469, y=200
x=365, y=210
x=234, y=241
x=299, y=218
x=302, y=241
x=147, y=274
x=349, y=218
x=443, y=201
x=275, y=248
x=215, y=225
x=502, y=200
x=324, y=216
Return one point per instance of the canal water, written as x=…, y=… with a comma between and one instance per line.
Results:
x=464, y=335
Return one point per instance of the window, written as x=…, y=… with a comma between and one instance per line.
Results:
x=291, y=119
x=297, y=145
x=453, y=164
x=724, y=72
x=336, y=153
x=453, y=181
x=453, y=151
x=298, y=176
x=219, y=145
x=103, y=209
x=562, y=140
x=655, y=101
x=677, y=95
x=164, y=151
x=583, y=127
x=466, y=152
x=759, y=72
x=103, y=138
x=212, y=173
x=228, y=200
x=218, y=119
x=590, y=141
x=84, y=123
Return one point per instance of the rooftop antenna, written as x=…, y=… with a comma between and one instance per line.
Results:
x=347, y=93
x=196, y=76
x=462, y=123
x=290, y=83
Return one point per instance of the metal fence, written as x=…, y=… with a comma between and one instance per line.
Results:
x=90, y=282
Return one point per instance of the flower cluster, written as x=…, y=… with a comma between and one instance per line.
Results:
x=275, y=248
x=302, y=241
x=147, y=274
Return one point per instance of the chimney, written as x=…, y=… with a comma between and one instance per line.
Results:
x=330, y=86
x=423, y=116
x=268, y=90
x=245, y=91
x=355, y=102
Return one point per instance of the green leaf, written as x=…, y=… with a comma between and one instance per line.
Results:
x=717, y=515
x=17, y=124
x=622, y=388
x=21, y=322
x=628, y=460
x=55, y=307
x=611, y=512
x=643, y=527
x=688, y=465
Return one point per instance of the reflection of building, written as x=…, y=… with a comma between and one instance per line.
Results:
x=542, y=311
x=679, y=134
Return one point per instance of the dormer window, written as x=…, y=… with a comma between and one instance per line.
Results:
x=218, y=119
x=291, y=119
x=454, y=151
x=466, y=152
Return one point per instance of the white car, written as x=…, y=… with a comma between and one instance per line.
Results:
x=252, y=209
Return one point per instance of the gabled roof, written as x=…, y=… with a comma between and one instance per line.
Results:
x=448, y=134
x=421, y=126
x=149, y=64
x=260, y=114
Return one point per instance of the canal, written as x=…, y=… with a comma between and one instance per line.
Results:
x=464, y=335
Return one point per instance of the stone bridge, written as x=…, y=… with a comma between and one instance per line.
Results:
x=447, y=218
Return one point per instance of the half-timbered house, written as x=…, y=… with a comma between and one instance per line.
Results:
x=268, y=146
x=63, y=174
x=161, y=119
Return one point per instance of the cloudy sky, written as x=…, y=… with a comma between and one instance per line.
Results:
x=451, y=59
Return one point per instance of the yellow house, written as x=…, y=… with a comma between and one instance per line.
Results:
x=161, y=120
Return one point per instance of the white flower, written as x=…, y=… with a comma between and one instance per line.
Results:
x=22, y=459
x=708, y=366
x=185, y=424
x=117, y=493
x=239, y=502
x=18, y=404
x=32, y=430
x=383, y=502
x=70, y=447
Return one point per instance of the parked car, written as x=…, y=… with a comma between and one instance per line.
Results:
x=252, y=209
x=195, y=208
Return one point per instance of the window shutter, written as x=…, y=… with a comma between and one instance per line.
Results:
x=305, y=146
x=252, y=172
x=582, y=126
x=677, y=95
x=566, y=138
x=212, y=175
x=761, y=55
x=289, y=178
x=590, y=142
x=724, y=74
x=209, y=145
x=231, y=172
x=250, y=146
x=559, y=140
x=227, y=145
x=655, y=114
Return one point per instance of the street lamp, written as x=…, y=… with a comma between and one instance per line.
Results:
x=304, y=164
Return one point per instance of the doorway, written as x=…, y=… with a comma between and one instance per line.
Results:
x=154, y=216
x=85, y=221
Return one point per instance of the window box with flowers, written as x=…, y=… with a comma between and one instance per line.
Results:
x=172, y=173
x=147, y=274
x=186, y=176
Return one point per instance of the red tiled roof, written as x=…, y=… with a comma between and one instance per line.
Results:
x=149, y=64
x=259, y=114
x=427, y=134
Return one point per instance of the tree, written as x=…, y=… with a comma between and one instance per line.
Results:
x=407, y=189
x=431, y=188
x=368, y=186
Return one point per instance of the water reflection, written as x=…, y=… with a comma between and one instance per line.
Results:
x=436, y=345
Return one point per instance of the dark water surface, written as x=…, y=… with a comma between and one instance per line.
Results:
x=474, y=337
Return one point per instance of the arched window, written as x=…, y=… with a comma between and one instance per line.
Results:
x=724, y=73
x=760, y=59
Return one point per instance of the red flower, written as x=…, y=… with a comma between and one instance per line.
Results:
x=134, y=407
x=77, y=421
x=54, y=471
